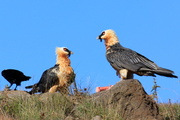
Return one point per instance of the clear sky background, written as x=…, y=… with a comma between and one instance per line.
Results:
x=30, y=30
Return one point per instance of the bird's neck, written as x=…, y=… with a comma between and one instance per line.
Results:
x=63, y=60
x=110, y=41
x=64, y=63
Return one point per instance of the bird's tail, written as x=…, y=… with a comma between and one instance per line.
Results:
x=30, y=86
x=33, y=88
x=164, y=72
x=27, y=78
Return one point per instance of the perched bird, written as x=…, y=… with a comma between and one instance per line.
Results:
x=57, y=78
x=126, y=62
x=14, y=77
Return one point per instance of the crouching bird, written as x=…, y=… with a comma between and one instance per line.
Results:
x=14, y=77
x=56, y=78
x=127, y=62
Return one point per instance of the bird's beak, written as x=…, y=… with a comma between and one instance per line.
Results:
x=99, y=37
x=70, y=53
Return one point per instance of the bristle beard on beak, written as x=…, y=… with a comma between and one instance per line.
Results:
x=70, y=53
x=99, y=37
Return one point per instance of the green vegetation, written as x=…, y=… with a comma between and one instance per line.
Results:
x=170, y=111
x=60, y=107
x=54, y=107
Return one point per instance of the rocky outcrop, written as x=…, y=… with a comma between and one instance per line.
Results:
x=14, y=94
x=131, y=99
x=127, y=97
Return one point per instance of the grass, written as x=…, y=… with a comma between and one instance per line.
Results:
x=88, y=109
x=170, y=111
x=54, y=107
x=38, y=108
x=58, y=107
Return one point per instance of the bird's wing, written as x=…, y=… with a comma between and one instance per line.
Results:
x=124, y=58
x=48, y=79
x=8, y=74
x=12, y=74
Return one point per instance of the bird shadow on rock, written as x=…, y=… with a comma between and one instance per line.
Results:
x=130, y=98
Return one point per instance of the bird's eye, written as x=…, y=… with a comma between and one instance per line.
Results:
x=65, y=49
x=103, y=33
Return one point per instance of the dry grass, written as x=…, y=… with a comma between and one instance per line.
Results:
x=59, y=107
x=37, y=107
x=170, y=111
x=55, y=107
x=2, y=117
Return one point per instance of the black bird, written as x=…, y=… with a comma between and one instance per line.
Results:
x=14, y=77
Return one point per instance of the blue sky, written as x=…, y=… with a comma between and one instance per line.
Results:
x=31, y=30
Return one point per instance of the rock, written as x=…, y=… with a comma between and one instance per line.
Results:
x=14, y=94
x=96, y=118
x=131, y=99
x=5, y=117
x=69, y=118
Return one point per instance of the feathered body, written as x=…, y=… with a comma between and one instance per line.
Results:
x=57, y=78
x=14, y=77
x=127, y=62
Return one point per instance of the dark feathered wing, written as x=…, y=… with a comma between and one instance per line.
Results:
x=48, y=79
x=124, y=58
x=14, y=76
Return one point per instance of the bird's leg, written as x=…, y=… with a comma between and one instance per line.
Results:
x=64, y=90
x=130, y=75
x=53, y=89
x=125, y=74
x=15, y=87
x=63, y=86
x=10, y=85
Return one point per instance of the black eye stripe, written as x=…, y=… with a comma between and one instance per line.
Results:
x=65, y=49
x=103, y=33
